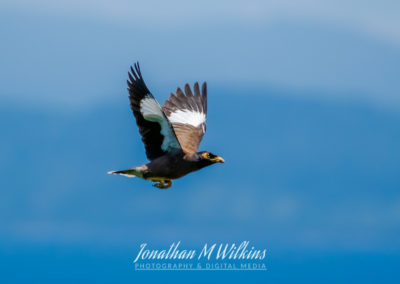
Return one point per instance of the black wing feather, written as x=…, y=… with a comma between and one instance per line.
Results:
x=150, y=131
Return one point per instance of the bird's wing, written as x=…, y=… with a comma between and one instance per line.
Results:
x=157, y=133
x=187, y=114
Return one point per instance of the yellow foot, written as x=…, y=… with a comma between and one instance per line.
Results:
x=163, y=184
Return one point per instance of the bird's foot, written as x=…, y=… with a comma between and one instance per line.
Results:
x=163, y=184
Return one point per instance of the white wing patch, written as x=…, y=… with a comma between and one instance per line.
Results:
x=193, y=118
x=151, y=111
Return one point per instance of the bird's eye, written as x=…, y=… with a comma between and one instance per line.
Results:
x=206, y=155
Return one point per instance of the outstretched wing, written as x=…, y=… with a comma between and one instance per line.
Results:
x=187, y=114
x=157, y=133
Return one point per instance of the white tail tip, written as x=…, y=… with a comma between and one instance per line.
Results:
x=119, y=173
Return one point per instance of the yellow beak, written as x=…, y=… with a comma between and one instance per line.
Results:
x=219, y=160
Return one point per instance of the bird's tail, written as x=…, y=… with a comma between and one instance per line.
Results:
x=128, y=173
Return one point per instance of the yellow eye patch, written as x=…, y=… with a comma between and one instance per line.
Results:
x=205, y=155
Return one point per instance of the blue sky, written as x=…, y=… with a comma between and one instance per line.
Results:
x=332, y=47
x=303, y=105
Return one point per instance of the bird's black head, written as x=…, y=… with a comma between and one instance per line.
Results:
x=206, y=158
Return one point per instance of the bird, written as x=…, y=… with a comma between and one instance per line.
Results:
x=171, y=133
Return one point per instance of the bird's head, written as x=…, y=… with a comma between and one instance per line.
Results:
x=209, y=158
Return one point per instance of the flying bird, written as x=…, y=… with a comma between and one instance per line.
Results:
x=171, y=134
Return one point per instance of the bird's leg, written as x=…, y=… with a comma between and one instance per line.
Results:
x=169, y=183
x=159, y=184
x=163, y=184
